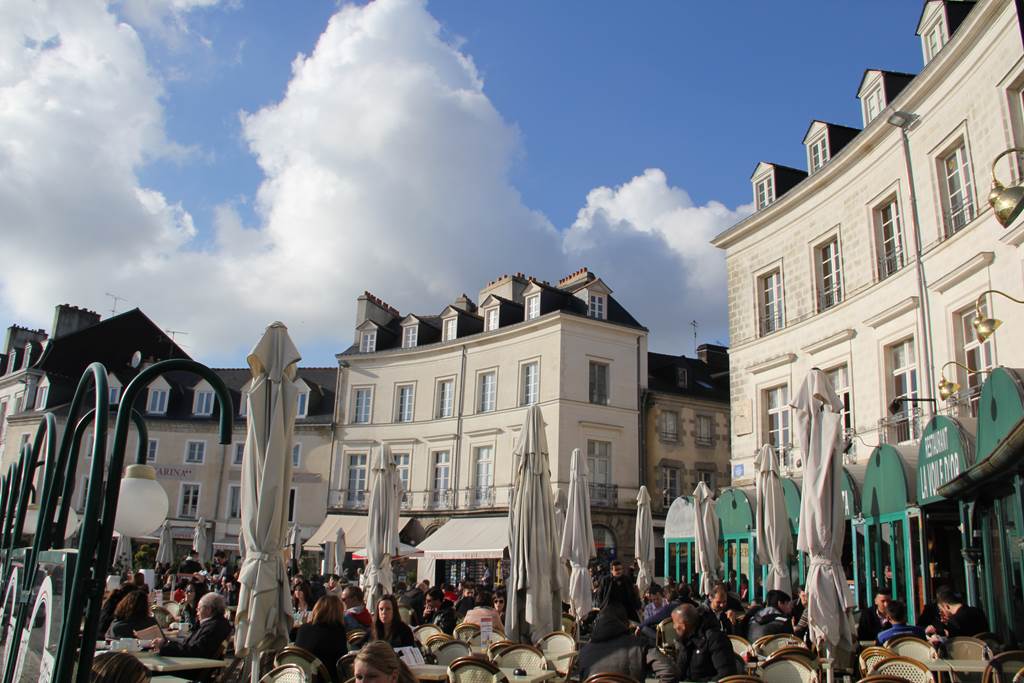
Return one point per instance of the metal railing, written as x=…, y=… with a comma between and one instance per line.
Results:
x=482, y=496
x=964, y=403
x=668, y=435
x=890, y=264
x=604, y=494
x=829, y=298
x=767, y=324
x=356, y=500
x=956, y=217
x=900, y=428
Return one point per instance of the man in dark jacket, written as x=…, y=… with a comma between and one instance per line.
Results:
x=704, y=654
x=617, y=587
x=773, y=619
x=612, y=648
x=960, y=619
x=205, y=642
x=875, y=619
x=439, y=611
x=467, y=601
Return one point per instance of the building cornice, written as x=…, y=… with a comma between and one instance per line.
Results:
x=963, y=271
x=893, y=312
x=830, y=341
x=771, y=363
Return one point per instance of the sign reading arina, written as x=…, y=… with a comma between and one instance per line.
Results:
x=941, y=457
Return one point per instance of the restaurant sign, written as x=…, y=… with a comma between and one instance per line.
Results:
x=176, y=473
x=946, y=450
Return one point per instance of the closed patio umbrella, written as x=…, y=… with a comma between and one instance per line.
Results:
x=774, y=539
x=563, y=576
x=382, y=531
x=534, y=605
x=706, y=537
x=339, y=552
x=577, y=546
x=294, y=546
x=264, y=609
x=200, y=542
x=165, y=551
x=819, y=428
x=123, y=553
x=643, y=540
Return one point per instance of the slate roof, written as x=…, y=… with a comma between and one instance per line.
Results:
x=661, y=377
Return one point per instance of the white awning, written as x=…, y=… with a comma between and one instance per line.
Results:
x=355, y=531
x=468, y=538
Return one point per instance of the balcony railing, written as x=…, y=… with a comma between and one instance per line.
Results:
x=901, y=427
x=470, y=498
x=604, y=494
x=356, y=500
x=963, y=403
x=441, y=499
x=482, y=496
x=890, y=264
x=770, y=323
x=956, y=217
x=829, y=298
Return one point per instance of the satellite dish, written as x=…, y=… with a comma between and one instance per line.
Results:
x=136, y=359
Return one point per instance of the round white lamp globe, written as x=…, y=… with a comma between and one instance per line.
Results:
x=32, y=519
x=142, y=503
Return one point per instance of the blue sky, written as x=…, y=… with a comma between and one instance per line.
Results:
x=566, y=106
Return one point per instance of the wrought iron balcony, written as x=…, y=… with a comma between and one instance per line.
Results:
x=356, y=500
x=890, y=264
x=482, y=496
x=767, y=324
x=901, y=428
x=604, y=494
x=829, y=298
x=956, y=217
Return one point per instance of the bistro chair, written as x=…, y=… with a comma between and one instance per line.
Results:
x=315, y=671
x=793, y=651
x=1019, y=678
x=559, y=648
x=434, y=642
x=474, y=670
x=346, y=666
x=425, y=632
x=468, y=633
x=907, y=668
x=286, y=673
x=356, y=638
x=911, y=646
x=740, y=645
x=870, y=656
x=665, y=639
x=881, y=679
x=765, y=645
x=610, y=678
x=788, y=669
x=1001, y=667
x=497, y=647
x=522, y=656
x=965, y=647
x=569, y=624
x=449, y=651
x=740, y=678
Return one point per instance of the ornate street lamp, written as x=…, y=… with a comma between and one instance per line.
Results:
x=1006, y=202
x=984, y=326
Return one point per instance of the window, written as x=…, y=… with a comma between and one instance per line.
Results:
x=765, y=191
x=706, y=475
x=487, y=391
x=442, y=477
x=596, y=306
x=958, y=189
x=243, y=403
x=681, y=378
x=840, y=379
x=41, y=394
x=151, y=449
x=770, y=290
x=302, y=407
x=530, y=376
x=410, y=336
x=599, y=462
x=668, y=429
x=903, y=369
x=368, y=342
x=291, y=505
x=188, y=505
x=203, y=404
x=157, y=403
x=492, y=318
x=195, y=452
x=296, y=455
x=239, y=453
x=890, y=238
x=670, y=484
x=361, y=414
x=830, y=290
x=818, y=153
x=234, y=502
x=705, y=434
x=404, y=404
x=115, y=394
x=873, y=105
x=356, y=495
x=445, y=398
x=451, y=329
x=3, y=418
x=934, y=39
x=976, y=355
x=599, y=383
x=483, y=476
x=533, y=307
x=777, y=422
x=402, y=467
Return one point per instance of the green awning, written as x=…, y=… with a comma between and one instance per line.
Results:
x=679, y=519
x=792, y=496
x=885, y=483
x=849, y=495
x=735, y=514
x=946, y=450
x=1000, y=410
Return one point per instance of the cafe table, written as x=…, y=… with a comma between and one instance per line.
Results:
x=960, y=666
x=439, y=672
x=164, y=664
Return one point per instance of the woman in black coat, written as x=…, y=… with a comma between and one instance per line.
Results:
x=324, y=634
x=131, y=615
x=388, y=625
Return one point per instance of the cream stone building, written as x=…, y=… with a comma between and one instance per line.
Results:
x=868, y=265
x=448, y=393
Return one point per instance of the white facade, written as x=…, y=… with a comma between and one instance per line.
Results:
x=827, y=275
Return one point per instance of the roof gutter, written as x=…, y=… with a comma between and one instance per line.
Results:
x=1005, y=459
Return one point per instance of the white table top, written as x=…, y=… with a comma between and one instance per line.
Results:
x=162, y=664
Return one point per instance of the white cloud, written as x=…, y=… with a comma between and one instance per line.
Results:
x=166, y=19
x=385, y=168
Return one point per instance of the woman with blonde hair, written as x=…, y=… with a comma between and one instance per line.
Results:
x=117, y=667
x=324, y=635
x=377, y=662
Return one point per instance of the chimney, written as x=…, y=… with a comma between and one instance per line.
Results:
x=18, y=336
x=370, y=307
x=464, y=303
x=68, y=319
x=715, y=357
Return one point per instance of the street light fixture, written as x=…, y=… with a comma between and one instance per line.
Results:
x=947, y=388
x=984, y=326
x=1007, y=202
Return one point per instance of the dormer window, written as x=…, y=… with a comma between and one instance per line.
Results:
x=874, y=103
x=492, y=319
x=764, y=189
x=817, y=153
x=681, y=378
x=157, y=401
x=933, y=39
x=368, y=342
x=115, y=394
x=597, y=306
x=533, y=306
x=451, y=329
x=203, y=403
x=410, y=335
x=41, y=394
x=303, y=404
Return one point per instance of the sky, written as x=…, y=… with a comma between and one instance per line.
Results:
x=222, y=164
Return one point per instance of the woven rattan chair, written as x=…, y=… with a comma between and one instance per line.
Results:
x=882, y=679
x=965, y=647
x=434, y=642
x=468, y=633
x=788, y=669
x=569, y=624
x=870, y=656
x=740, y=645
x=474, y=670
x=794, y=651
x=610, y=678
x=346, y=666
x=666, y=637
x=356, y=638
x=769, y=644
x=497, y=647
x=1003, y=666
x=907, y=668
x=1019, y=678
x=426, y=632
x=449, y=651
x=522, y=656
x=740, y=678
x=287, y=673
x=314, y=669
x=560, y=649
x=911, y=646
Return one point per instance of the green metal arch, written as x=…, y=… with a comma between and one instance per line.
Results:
x=885, y=483
x=1000, y=409
x=735, y=514
x=851, y=503
x=792, y=495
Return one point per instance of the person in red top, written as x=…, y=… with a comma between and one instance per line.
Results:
x=449, y=593
x=356, y=614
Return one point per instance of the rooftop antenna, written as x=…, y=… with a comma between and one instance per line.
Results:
x=694, y=324
x=174, y=333
x=114, y=299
